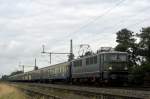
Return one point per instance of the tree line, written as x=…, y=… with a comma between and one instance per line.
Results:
x=5, y=77
x=138, y=47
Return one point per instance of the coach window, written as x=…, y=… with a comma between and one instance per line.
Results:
x=61, y=69
x=49, y=72
x=87, y=61
x=57, y=70
x=91, y=60
x=54, y=71
x=65, y=69
x=78, y=63
x=74, y=63
x=95, y=59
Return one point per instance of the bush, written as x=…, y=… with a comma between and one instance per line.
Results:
x=137, y=74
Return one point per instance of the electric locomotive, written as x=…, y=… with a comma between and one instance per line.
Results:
x=104, y=67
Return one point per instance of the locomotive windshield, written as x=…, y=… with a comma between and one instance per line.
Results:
x=117, y=61
x=117, y=57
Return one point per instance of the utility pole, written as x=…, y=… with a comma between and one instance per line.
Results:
x=35, y=65
x=71, y=56
x=44, y=52
x=23, y=66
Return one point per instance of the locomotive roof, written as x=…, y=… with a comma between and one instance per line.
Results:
x=110, y=52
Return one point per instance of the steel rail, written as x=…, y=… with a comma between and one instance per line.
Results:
x=133, y=93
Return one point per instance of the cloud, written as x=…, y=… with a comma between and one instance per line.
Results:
x=27, y=24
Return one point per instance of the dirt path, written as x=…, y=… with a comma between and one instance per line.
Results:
x=8, y=92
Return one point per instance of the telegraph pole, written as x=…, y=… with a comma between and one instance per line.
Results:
x=71, y=56
x=44, y=52
x=23, y=66
x=35, y=65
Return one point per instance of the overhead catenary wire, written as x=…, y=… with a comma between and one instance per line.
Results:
x=120, y=22
x=98, y=17
x=91, y=20
x=138, y=23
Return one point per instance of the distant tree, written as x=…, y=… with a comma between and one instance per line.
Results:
x=87, y=54
x=144, y=44
x=16, y=72
x=138, y=73
x=126, y=43
x=4, y=77
x=125, y=40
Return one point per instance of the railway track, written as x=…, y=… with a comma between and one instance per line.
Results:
x=36, y=92
x=55, y=91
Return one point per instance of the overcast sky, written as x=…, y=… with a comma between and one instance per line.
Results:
x=27, y=24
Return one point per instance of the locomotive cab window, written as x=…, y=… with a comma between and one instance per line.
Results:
x=118, y=57
x=87, y=61
x=117, y=61
x=78, y=63
x=95, y=59
x=91, y=60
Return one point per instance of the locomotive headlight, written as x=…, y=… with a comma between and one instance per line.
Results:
x=126, y=68
x=110, y=68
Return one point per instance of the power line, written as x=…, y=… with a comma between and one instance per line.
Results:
x=121, y=21
x=90, y=20
x=70, y=54
x=94, y=19
x=98, y=17
x=138, y=23
x=135, y=15
x=108, y=11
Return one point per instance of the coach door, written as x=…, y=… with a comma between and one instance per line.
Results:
x=41, y=76
x=101, y=60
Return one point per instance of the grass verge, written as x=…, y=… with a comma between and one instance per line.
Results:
x=8, y=92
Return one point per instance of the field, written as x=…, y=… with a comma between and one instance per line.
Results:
x=8, y=92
